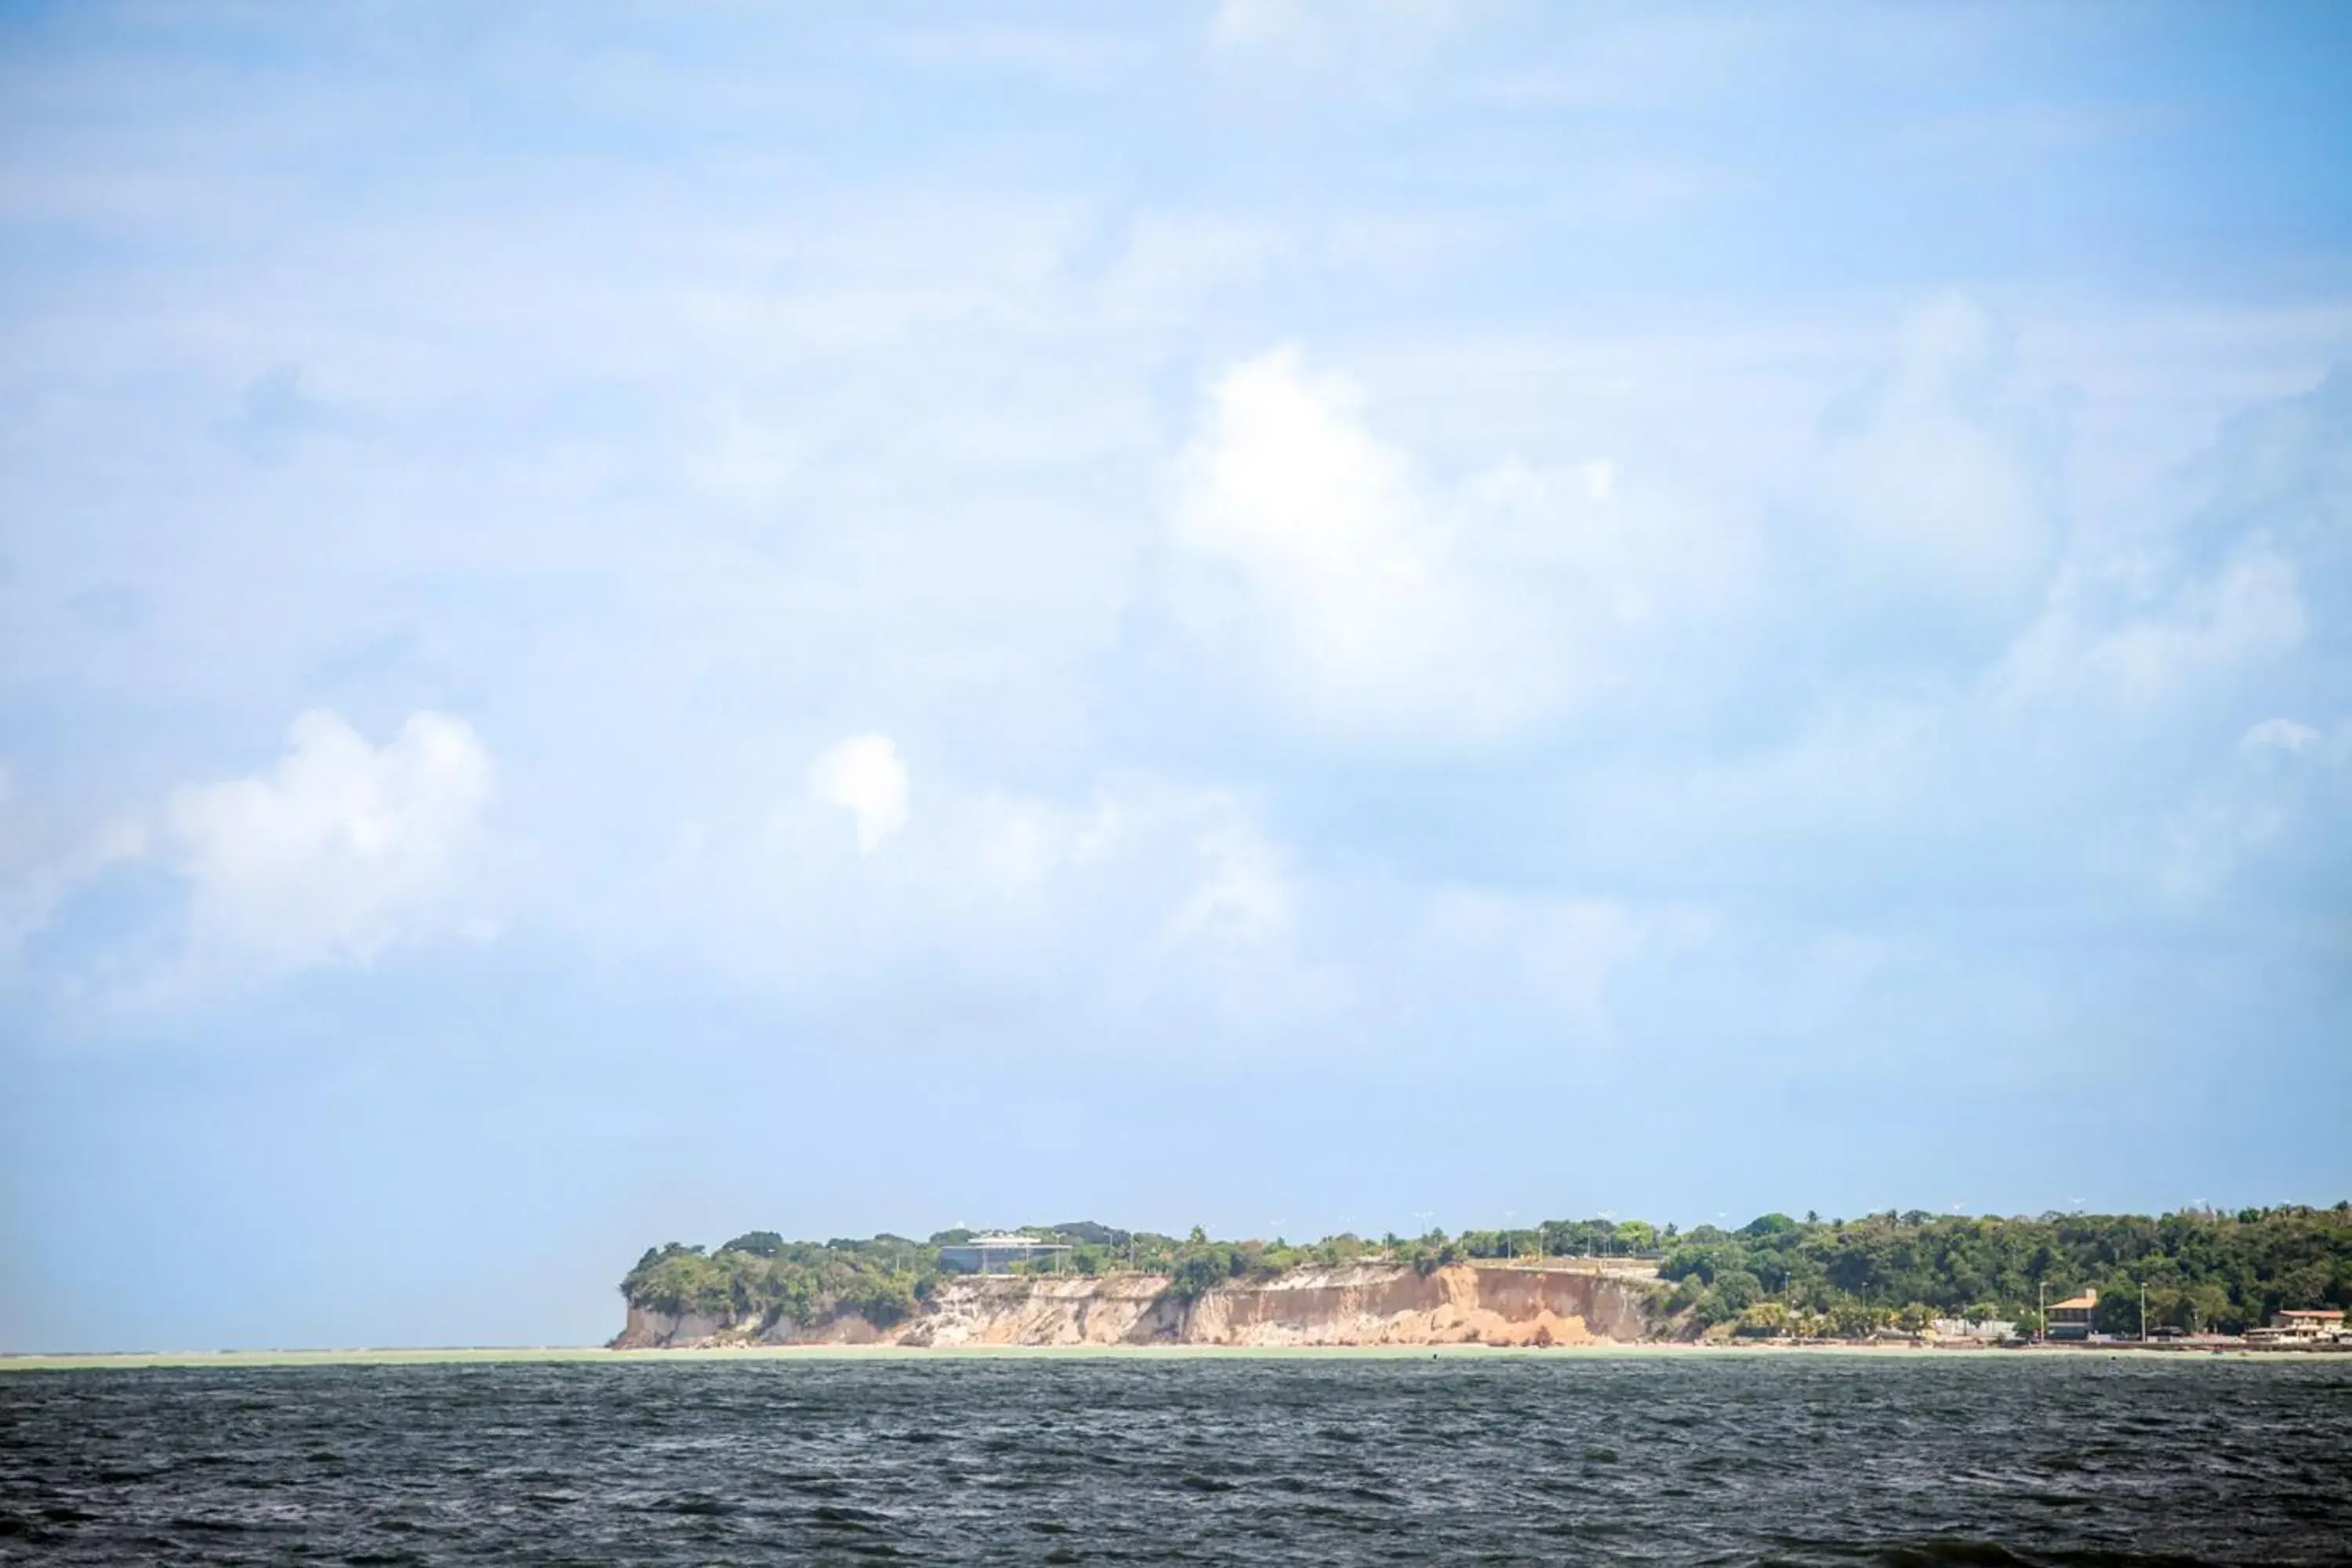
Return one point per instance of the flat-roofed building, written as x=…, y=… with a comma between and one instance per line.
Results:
x=997, y=1252
x=2070, y=1318
x=2309, y=1322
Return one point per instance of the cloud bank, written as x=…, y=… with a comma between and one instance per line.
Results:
x=341, y=851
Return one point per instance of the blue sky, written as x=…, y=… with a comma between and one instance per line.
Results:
x=621, y=623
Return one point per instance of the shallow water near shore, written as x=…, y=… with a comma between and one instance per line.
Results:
x=1786, y=1460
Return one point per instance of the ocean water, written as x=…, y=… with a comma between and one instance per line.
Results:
x=1793, y=1458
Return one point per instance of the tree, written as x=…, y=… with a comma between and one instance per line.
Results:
x=1197, y=1275
x=1853, y=1320
x=1637, y=1237
x=2119, y=1308
x=2210, y=1308
x=1731, y=1294
x=758, y=1243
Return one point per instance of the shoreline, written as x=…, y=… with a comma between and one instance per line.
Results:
x=134, y=1360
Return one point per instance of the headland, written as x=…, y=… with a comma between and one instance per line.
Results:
x=2267, y=1279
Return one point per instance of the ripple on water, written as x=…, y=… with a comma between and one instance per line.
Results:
x=1794, y=1460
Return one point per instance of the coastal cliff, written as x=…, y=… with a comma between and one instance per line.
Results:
x=1352, y=1304
x=1558, y=1281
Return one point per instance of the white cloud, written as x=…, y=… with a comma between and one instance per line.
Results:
x=1316, y=558
x=2252, y=611
x=1324, y=528
x=2179, y=632
x=1933, y=487
x=2278, y=735
x=1135, y=886
x=2254, y=810
x=1168, y=865
x=41, y=865
x=1319, y=560
x=864, y=776
x=343, y=850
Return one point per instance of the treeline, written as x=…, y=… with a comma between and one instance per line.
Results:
x=761, y=1277
x=2202, y=1271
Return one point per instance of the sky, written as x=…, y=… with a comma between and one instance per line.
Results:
x=627, y=623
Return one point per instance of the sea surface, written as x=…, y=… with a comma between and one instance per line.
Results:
x=1790, y=1459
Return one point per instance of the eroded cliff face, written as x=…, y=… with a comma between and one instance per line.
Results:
x=1362, y=1304
x=650, y=1328
x=1118, y=1309
x=1386, y=1305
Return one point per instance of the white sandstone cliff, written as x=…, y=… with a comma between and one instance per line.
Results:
x=1357, y=1304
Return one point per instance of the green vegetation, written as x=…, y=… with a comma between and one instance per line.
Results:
x=760, y=1276
x=1775, y=1276
x=1845, y=1279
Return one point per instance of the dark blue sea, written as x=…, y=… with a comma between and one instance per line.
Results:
x=1787, y=1459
